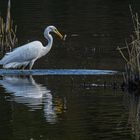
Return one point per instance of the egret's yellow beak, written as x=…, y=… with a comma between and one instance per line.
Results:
x=59, y=34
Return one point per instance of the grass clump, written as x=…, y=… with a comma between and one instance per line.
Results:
x=131, y=54
x=8, y=39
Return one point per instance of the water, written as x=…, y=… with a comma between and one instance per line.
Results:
x=57, y=72
x=68, y=107
x=61, y=108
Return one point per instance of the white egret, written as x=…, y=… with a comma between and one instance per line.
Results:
x=29, y=53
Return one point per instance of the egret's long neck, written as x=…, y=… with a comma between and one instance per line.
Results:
x=49, y=37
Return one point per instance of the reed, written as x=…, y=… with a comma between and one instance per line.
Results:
x=131, y=53
x=8, y=38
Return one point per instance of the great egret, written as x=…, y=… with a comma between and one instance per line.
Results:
x=29, y=53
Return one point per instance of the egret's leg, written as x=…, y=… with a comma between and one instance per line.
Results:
x=23, y=67
x=31, y=64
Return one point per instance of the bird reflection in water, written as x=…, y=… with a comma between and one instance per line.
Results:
x=36, y=96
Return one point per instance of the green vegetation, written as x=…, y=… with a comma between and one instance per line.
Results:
x=8, y=38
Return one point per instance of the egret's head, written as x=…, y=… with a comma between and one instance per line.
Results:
x=53, y=29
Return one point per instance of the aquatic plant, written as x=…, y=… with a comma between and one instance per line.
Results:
x=131, y=53
x=8, y=38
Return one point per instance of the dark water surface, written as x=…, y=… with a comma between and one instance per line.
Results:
x=63, y=107
x=71, y=107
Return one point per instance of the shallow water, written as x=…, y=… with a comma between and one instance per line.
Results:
x=66, y=107
x=69, y=107
x=57, y=72
x=63, y=107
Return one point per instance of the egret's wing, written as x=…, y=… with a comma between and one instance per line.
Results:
x=24, y=53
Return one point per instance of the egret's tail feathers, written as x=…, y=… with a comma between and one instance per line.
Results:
x=15, y=65
x=1, y=63
x=10, y=65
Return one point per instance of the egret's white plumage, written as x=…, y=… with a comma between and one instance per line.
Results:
x=29, y=53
